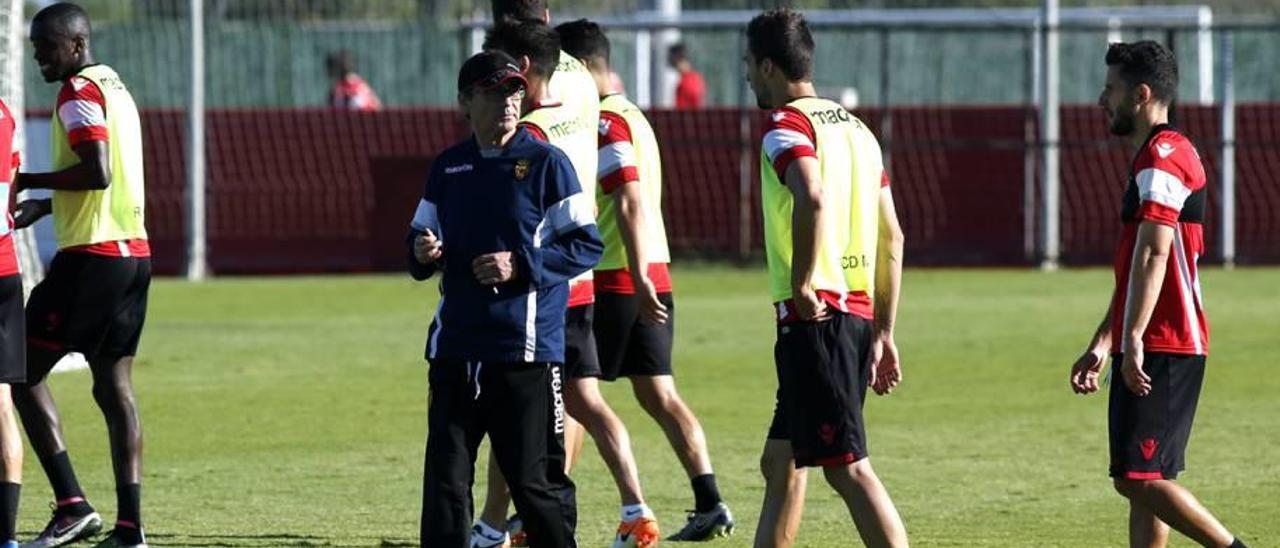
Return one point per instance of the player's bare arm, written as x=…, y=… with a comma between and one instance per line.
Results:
x=631, y=217
x=1087, y=369
x=886, y=369
x=93, y=172
x=807, y=219
x=1150, y=260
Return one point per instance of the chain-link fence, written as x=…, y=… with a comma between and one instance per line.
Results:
x=272, y=54
x=953, y=96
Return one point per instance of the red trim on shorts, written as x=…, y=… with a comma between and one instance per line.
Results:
x=618, y=281
x=1144, y=475
x=838, y=460
x=582, y=293
x=137, y=248
x=857, y=303
x=45, y=343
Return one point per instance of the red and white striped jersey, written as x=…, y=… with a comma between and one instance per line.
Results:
x=1166, y=185
x=353, y=93
x=9, y=161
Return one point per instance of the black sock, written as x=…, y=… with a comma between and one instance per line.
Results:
x=1235, y=543
x=705, y=493
x=128, y=533
x=129, y=505
x=9, y=510
x=66, y=488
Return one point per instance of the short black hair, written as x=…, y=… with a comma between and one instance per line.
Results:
x=65, y=19
x=782, y=36
x=535, y=40
x=1149, y=63
x=678, y=50
x=518, y=10
x=340, y=60
x=584, y=40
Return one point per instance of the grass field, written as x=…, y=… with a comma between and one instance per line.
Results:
x=291, y=412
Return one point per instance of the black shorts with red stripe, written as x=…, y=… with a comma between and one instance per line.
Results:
x=13, y=332
x=1149, y=433
x=91, y=304
x=822, y=382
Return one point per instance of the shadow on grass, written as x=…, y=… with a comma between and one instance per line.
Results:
x=273, y=539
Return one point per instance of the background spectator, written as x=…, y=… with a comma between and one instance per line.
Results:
x=691, y=91
x=350, y=91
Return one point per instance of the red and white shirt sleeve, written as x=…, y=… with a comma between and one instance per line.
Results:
x=83, y=111
x=617, y=154
x=788, y=136
x=1164, y=178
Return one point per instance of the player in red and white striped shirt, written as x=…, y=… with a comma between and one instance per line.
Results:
x=13, y=355
x=1155, y=326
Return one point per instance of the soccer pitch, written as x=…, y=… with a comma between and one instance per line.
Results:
x=292, y=412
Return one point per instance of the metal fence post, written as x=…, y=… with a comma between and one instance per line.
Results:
x=1050, y=134
x=744, y=162
x=1204, y=47
x=1227, y=161
x=886, y=91
x=1029, y=165
x=644, y=85
x=197, y=261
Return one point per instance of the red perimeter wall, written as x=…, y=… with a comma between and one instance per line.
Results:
x=323, y=191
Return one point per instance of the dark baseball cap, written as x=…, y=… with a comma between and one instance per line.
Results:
x=489, y=69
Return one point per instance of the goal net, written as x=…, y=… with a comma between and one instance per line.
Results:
x=12, y=55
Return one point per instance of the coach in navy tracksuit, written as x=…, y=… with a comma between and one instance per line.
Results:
x=504, y=219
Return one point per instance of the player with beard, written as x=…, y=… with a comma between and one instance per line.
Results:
x=1155, y=326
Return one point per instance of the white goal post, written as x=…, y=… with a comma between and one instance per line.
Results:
x=12, y=55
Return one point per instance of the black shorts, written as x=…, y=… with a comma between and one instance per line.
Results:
x=822, y=380
x=1149, y=433
x=628, y=346
x=91, y=304
x=13, y=332
x=580, y=356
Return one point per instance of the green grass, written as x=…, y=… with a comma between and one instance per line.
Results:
x=291, y=412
